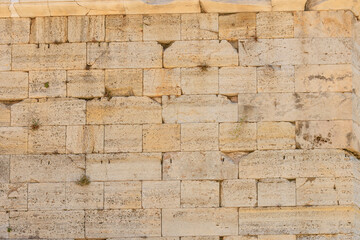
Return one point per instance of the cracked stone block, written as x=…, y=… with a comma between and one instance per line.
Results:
x=202, y=26
x=161, y=27
x=14, y=140
x=48, y=30
x=14, y=30
x=276, y=192
x=85, y=83
x=122, y=195
x=237, y=136
x=207, y=194
x=239, y=193
x=13, y=196
x=47, y=139
x=85, y=139
x=275, y=25
x=237, y=26
x=14, y=85
x=275, y=135
x=199, y=136
x=161, y=137
x=121, y=28
x=235, y=80
x=200, y=80
x=47, y=196
x=276, y=78
x=158, y=82
x=86, y=28
x=160, y=194
x=85, y=197
x=123, y=138
x=124, y=82
x=43, y=84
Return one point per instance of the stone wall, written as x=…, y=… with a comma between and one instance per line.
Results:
x=198, y=126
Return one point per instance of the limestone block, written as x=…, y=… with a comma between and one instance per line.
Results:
x=161, y=137
x=118, y=110
x=86, y=28
x=13, y=140
x=123, y=138
x=13, y=196
x=316, y=191
x=175, y=6
x=236, y=6
x=275, y=135
x=4, y=223
x=48, y=30
x=199, y=136
x=199, y=194
x=124, y=82
x=49, y=56
x=237, y=26
x=124, y=194
x=201, y=238
x=275, y=25
x=198, y=166
x=14, y=30
x=47, y=196
x=126, y=166
x=348, y=190
x=199, y=80
x=202, y=26
x=326, y=237
x=85, y=139
x=31, y=9
x=4, y=169
x=295, y=51
x=323, y=78
x=239, y=193
x=85, y=84
x=84, y=197
x=158, y=82
x=241, y=237
x=121, y=28
x=124, y=223
x=285, y=5
x=47, y=84
x=237, y=136
x=46, y=168
x=235, y=80
x=13, y=85
x=275, y=78
x=198, y=108
x=199, y=221
x=4, y=115
x=323, y=134
x=47, y=139
x=5, y=57
x=277, y=237
x=200, y=53
x=160, y=194
x=276, y=192
x=47, y=224
x=162, y=27
x=356, y=108
x=124, y=55
x=323, y=24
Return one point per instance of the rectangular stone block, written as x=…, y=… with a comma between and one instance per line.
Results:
x=13, y=140
x=237, y=26
x=239, y=193
x=158, y=82
x=48, y=30
x=243, y=237
x=13, y=196
x=85, y=83
x=4, y=224
x=14, y=30
x=199, y=80
x=160, y=194
x=235, y=80
x=278, y=237
x=4, y=115
x=237, y=136
x=47, y=139
x=199, y=137
x=124, y=82
x=120, y=110
x=202, y=26
x=198, y=166
x=124, y=55
x=46, y=168
x=206, y=194
x=47, y=196
x=86, y=28
x=161, y=137
x=199, y=221
x=120, y=28
x=200, y=53
x=47, y=84
x=275, y=78
x=4, y=169
x=275, y=25
x=13, y=85
x=124, y=223
x=85, y=197
x=5, y=57
x=198, y=108
x=285, y=5
x=126, y=166
x=85, y=139
x=49, y=56
x=123, y=138
x=161, y=27
x=275, y=135
x=120, y=195
x=276, y=192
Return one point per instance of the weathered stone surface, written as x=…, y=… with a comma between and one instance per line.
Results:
x=275, y=25
x=125, y=223
x=47, y=84
x=126, y=166
x=4, y=115
x=84, y=197
x=199, y=221
x=275, y=135
x=160, y=194
x=124, y=28
x=85, y=84
x=237, y=26
x=13, y=140
x=198, y=166
x=4, y=169
x=275, y=78
x=235, y=80
x=162, y=27
x=285, y=5
x=46, y=168
x=123, y=138
x=119, y=110
x=158, y=82
x=47, y=196
x=243, y=237
x=14, y=30
x=276, y=192
x=199, y=26
x=124, y=55
x=237, y=136
x=199, y=80
x=48, y=30
x=13, y=196
x=124, y=194
x=199, y=137
x=200, y=53
x=239, y=193
x=86, y=28
x=201, y=238
x=199, y=194
x=47, y=139
x=161, y=137
x=124, y=82
x=277, y=237
x=5, y=57
x=13, y=85
x=49, y=56
x=236, y=6
x=4, y=224
x=85, y=139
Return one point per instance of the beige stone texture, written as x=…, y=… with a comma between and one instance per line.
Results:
x=237, y=6
x=49, y=56
x=48, y=30
x=275, y=135
x=275, y=25
x=121, y=28
x=13, y=85
x=13, y=196
x=276, y=192
x=124, y=166
x=161, y=137
x=4, y=222
x=199, y=221
x=198, y=166
x=5, y=57
x=85, y=83
x=286, y=5
x=85, y=197
x=235, y=80
x=124, y=82
x=47, y=139
x=122, y=195
x=158, y=82
x=47, y=196
x=162, y=27
x=199, y=80
x=85, y=139
x=46, y=168
x=4, y=169
x=160, y=194
x=200, y=238
x=124, y=223
x=200, y=53
x=237, y=136
x=243, y=237
x=277, y=237
x=123, y=110
x=202, y=26
x=199, y=136
x=123, y=138
x=13, y=140
x=43, y=84
x=275, y=78
x=4, y=115
x=86, y=28
x=200, y=194
x=14, y=30
x=239, y=193
x=237, y=26
x=182, y=6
